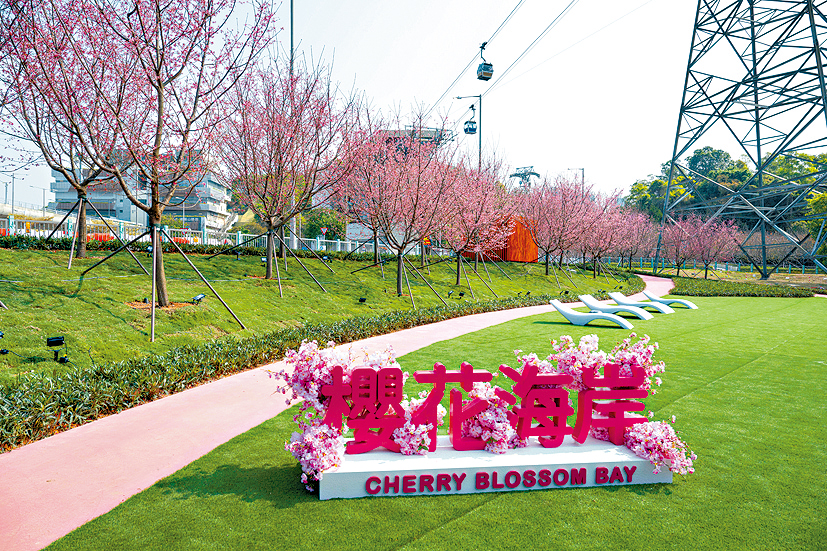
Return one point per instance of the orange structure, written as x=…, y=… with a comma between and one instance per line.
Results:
x=519, y=247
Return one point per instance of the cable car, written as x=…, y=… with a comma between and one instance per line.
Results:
x=486, y=70
x=470, y=126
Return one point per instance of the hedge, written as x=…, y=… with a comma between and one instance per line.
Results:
x=26, y=242
x=693, y=287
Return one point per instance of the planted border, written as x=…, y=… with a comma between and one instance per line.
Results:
x=693, y=287
x=38, y=405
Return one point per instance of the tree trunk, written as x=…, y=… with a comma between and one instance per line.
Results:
x=422, y=253
x=547, y=261
x=678, y=268
x=706, y=270
x=375, y=247
x=459, y=267
x=399, y=275
x=161, y=294
x=594, y=267
x=271, y=242
x=476, y=262
x=80, y=251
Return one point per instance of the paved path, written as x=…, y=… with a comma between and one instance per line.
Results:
x=50, y=487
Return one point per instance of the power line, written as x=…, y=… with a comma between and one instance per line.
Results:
x=569, y=47
x=473, y=59
x=548, y=29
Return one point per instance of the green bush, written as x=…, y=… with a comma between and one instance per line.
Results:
x=714, y=288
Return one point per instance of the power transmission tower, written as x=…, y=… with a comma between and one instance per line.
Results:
x=524, y=174
x=756, y=75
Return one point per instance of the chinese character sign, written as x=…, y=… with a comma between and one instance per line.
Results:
x=372, y=403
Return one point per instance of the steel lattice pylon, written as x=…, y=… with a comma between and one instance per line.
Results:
x=756, y=74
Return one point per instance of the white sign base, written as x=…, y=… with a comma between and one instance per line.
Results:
x=381, y=473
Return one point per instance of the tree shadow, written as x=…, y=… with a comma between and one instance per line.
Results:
x=280, y=485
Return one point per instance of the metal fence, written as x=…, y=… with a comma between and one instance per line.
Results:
x=127, y=231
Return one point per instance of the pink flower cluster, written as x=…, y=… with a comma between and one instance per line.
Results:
x=318, y=446
x=414, y=439
x=572, y=359
x=656, y=441
x=492, y=425
x=659, y=443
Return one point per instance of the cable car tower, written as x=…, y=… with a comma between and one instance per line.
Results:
x=756, y=73
x=524, y=174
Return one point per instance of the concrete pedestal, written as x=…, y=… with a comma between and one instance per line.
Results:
x=382, y=473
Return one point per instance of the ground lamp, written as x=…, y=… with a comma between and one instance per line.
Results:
x=362, y=299
x=53, y=342
x=198, y=298
x=461, y=293
x=451, y=292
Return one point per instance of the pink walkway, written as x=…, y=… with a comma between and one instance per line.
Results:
x=50, y=487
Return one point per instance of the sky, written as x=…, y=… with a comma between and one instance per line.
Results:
x=599, y=92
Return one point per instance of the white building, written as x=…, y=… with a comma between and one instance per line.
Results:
x=204, y=208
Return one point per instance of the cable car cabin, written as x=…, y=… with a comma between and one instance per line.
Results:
x=470, y=127
x=485, y=71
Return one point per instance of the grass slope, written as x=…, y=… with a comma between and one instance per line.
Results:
x=742, y=377
x=45, y=299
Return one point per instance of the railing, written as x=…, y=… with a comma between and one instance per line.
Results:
x=97, y=230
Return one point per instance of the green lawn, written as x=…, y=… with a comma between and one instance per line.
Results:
x=92, y=312
x=743, y=377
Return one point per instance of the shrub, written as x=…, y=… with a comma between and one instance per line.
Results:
x=713, y=288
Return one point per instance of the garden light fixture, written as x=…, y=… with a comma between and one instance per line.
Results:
x=198, y=298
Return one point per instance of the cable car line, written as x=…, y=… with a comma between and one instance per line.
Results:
x=473, y=59
x=545, y=31
x=550, y=26
x=570, y=46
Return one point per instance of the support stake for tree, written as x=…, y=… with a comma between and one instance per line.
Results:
x=71, y=210
x=404, y=271
x=74, y=238
x=116, y=251
x=207, y=283
x=286, y=248
x=118, y=237
x=462, y=265
x=483, y=281
x=311, y=250
x=495, y=264
x=426, y=282
x=153, y=240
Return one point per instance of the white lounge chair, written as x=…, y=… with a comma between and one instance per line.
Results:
x=582, y=318
x=595, y=306
x=621, y=299
x=670, y=301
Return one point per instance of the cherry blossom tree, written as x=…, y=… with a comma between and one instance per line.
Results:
x=356, y=196
x=637, y=234
x=556, y=214
x=176, y=61
x=408, y=190
x=482, y=215
x=713, y=241
x=289, y=143
x=49, y=101
x=604, y=232
x=677, y=240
